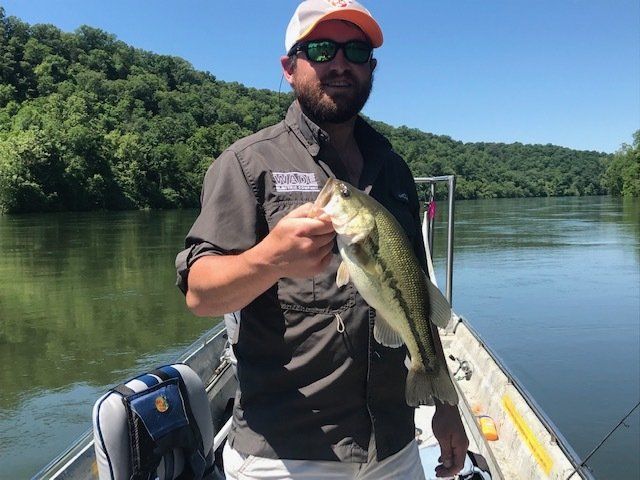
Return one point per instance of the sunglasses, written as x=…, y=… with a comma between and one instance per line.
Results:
x=321, y=51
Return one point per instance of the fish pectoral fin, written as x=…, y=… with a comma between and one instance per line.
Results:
x=384, y=334
x=342, y=278
x=364, y=260
x=439, y=308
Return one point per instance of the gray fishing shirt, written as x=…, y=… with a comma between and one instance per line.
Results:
x=313, y=383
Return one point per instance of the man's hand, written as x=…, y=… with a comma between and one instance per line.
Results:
x=448, y=429
x=299, y=246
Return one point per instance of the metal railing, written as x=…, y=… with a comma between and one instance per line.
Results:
x=451, y=184
x=580, y=470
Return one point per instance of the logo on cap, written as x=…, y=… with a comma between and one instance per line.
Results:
x=340, y=3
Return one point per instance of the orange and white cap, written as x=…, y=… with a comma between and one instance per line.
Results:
x=311, y=12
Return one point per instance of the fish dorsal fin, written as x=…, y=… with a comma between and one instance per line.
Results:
x=342, y=278
x=384, y=334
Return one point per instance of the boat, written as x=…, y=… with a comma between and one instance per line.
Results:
x=503, y=422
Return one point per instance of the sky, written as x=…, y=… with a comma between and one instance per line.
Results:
x=564, y=72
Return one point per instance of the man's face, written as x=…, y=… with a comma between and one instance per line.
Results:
x=333, y=91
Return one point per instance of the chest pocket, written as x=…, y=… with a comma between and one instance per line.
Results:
x=319, y=294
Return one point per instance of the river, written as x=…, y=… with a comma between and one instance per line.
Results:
x=553, y=286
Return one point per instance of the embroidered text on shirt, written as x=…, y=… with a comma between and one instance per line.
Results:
x=295, y=182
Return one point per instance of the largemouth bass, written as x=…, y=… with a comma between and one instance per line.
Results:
x=378, y=258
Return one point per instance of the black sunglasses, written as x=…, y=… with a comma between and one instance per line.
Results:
x=320, y=51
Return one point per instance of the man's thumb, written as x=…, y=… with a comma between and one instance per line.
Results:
x=301, y=212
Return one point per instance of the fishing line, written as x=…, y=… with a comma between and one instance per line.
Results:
x=602, y=442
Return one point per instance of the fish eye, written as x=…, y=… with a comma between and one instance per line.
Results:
x=344, y=190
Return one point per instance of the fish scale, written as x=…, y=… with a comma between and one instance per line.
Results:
x=408, y=288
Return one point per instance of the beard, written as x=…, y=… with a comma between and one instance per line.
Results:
x=320, y=107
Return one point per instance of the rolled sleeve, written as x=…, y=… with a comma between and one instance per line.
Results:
x=227, y=223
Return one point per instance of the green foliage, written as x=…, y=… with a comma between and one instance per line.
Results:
x=498, y=170
x=622, y=176
x=22, y=156
x=88, y=122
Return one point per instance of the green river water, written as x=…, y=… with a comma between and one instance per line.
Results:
x=553, y=285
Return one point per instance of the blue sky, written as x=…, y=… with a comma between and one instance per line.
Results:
x=565, y=72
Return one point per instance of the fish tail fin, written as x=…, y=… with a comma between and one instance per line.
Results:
x=423, y=386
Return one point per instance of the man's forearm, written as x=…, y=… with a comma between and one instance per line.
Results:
x=297, y=247
x=220, y=284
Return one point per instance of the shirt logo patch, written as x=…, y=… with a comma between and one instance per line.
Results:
x=295, y=182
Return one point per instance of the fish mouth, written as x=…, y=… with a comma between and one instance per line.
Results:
x=325, y=194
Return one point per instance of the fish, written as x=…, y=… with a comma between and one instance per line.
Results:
x=378, y=258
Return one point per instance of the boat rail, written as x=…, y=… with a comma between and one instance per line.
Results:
x=451, y=183
x=428, y=230
x=554, y=432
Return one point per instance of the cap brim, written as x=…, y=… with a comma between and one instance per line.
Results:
x=440, y=310
x=363, y=21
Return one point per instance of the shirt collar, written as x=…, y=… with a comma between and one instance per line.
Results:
x=312, y=136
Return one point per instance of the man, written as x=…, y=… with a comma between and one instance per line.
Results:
x=318, y=397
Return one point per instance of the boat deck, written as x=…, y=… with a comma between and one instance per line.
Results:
x=529, y=446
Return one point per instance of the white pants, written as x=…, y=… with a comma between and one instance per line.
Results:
x=403, y=465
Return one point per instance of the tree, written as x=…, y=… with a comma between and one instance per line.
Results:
x=622, y=176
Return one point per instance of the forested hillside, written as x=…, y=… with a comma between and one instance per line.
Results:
x=89, y=122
